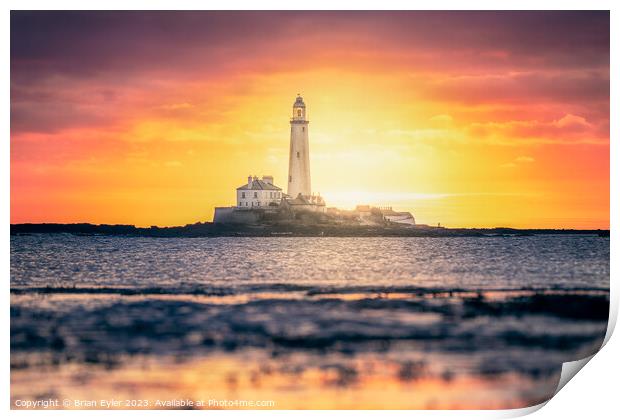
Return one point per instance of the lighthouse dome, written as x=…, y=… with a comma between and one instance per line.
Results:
x=299, y=102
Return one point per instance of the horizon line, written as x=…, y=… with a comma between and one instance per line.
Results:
x=211, y=222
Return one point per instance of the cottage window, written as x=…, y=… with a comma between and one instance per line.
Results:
x=255, y=195
x=242, y=195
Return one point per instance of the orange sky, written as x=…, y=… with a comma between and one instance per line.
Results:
x=467, y=119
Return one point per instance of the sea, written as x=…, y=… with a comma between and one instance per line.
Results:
x=302, y=322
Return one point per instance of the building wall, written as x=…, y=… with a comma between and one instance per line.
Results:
x=299, y=160
x=247, y=198
x=407, y=219
x=309, y=207
x=234, y=215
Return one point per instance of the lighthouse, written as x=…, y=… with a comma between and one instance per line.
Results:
x=259, y=197
x=299, y=154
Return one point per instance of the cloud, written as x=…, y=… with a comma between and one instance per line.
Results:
x=175, y=107
x=478, y=57
x=441, y=119
x=572, y=122
x=428, y=134
x=86, y=43
x=527, y=87
x=518, y=161
x=568, y=129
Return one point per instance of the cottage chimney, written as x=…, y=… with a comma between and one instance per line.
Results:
x=268, y=179
x=250, y=181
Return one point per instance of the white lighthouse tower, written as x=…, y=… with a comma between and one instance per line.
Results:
x=299, y=155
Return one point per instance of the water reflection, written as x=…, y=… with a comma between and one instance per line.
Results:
x=293, y=381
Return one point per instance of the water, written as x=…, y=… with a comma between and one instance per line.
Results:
x=306, y=322
x=562, y=261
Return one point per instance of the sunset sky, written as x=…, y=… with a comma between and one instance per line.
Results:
x=464, y=118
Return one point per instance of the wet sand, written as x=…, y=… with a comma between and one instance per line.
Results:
x=358, y=350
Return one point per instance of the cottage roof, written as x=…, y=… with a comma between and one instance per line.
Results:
x=259, y=184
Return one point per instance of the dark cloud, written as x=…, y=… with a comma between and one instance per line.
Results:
x=50, y=108
x=540, y=86
x=561, y=56
x=90, y=42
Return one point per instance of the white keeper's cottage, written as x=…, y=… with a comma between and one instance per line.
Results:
x=258, y=193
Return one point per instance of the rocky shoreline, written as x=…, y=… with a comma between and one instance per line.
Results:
x=286, y=230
